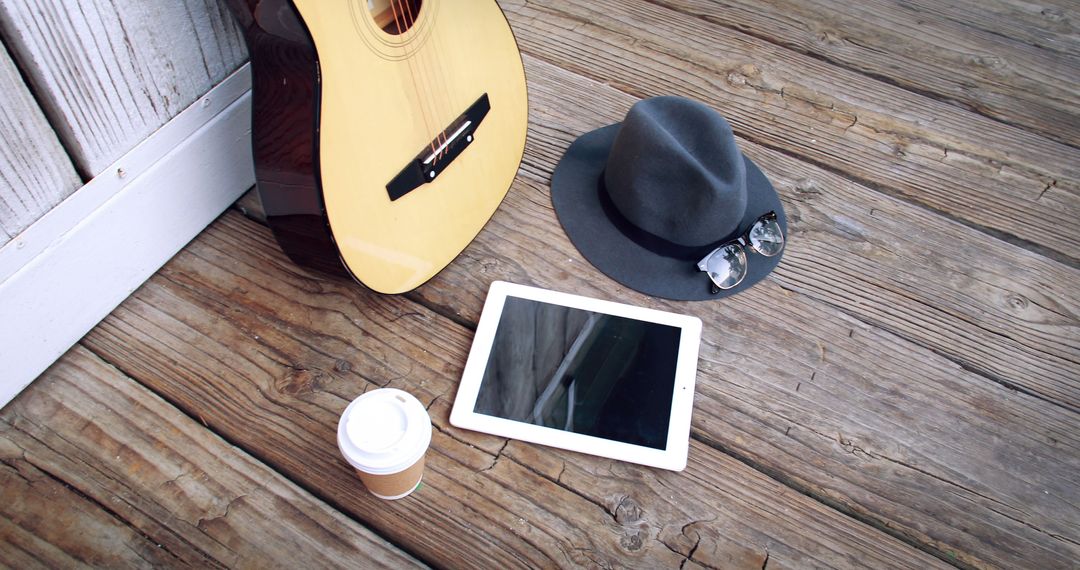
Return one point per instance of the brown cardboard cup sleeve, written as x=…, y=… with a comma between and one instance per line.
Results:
x=384, y=434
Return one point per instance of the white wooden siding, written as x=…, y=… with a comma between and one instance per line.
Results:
x=122, y=134
x=80, y=260
x=110, y=72
x=35, y=173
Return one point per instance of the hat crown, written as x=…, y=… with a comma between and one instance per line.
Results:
x=675, y=172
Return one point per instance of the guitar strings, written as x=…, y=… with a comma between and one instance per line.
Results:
x=410, y=21
x=432, y=74
x=417, y=83
x=441, y=74
x=442, y=92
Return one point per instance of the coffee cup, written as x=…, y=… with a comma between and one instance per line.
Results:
x=384, y=434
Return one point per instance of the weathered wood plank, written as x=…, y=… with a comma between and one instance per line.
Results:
x=986, y=306
x=1048, y=24
x=46, y=524
x=797, y=377
x=98, y=471
x=108, y=73
x=35, y=173
x=995, y=177
x=717, y=482
x=1000, y=77
x=269, y=356
x=837, y=409
x=994, y=308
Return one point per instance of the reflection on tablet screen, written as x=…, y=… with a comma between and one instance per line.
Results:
x=580, y=371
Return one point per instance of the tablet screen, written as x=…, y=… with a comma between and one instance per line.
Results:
x=582, y=374
x=580, y=371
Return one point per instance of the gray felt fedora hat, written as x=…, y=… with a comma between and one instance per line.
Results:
x=644, y=200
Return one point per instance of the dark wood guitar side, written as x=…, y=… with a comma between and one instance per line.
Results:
x=284, y=126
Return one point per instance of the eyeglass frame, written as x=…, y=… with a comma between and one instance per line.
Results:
x=744, y=242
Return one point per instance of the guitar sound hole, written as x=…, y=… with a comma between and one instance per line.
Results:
x=395, y=16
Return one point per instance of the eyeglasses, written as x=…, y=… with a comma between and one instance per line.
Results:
x=726, y=265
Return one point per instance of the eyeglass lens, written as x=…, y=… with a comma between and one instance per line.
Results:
x=766, y=237
x=727, y=266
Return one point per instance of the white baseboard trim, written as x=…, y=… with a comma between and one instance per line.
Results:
x=71, y=268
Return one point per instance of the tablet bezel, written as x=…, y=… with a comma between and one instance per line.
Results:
x=672, y=457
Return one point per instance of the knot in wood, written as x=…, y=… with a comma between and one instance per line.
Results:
x=807, y=186
x=749, y=70
x=742, y=74
x=627, y=512
x=632, y=541
x=986, y=61
x=299, y=381
x=1053, y=14
x=830, y=37
x=794, y=218
x=1017, y=301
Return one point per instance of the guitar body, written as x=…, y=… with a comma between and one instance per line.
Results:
x=385, y=133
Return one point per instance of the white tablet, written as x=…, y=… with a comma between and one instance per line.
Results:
x=581, y=374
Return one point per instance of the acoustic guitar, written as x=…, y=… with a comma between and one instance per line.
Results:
x=385, y=132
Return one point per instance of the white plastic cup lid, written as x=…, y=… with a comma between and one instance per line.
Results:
x=384, y=431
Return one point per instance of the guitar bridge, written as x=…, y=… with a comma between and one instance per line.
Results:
x=437, y=156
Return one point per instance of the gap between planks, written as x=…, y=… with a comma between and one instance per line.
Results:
x=253, y=452
x=482, y=449
x=172, y=483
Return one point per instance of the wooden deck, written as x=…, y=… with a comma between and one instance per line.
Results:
x=904, y=391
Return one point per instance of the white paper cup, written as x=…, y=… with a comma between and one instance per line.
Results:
x=384, y=434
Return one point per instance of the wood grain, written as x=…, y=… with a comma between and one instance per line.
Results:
x=284, y=106
x=35, y=173
x=902, y=392
x=46, y=524
x=839, y=375
x=108, y=73
x=868, y=402
x=1001, y=77
x=857, y=417
x=994, y=308
x=924, y=150
x=269, y=356
x=1052, y=25
x=98, y=471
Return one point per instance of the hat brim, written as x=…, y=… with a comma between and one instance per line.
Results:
x=577, y=198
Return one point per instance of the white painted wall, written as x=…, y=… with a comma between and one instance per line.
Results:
x=138, y=99
x=71, y=268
